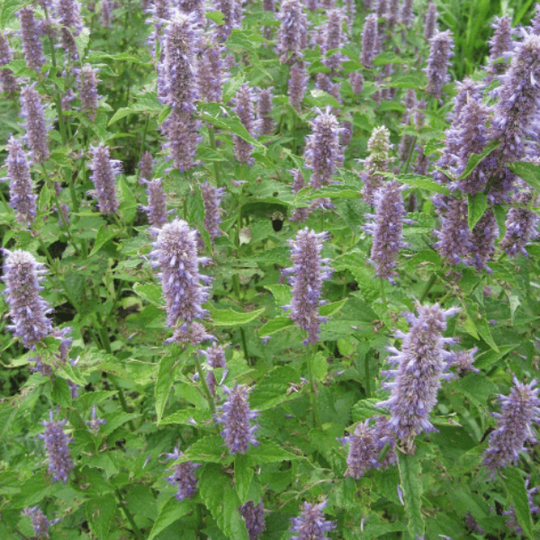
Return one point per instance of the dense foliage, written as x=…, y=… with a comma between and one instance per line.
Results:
x=269, y=269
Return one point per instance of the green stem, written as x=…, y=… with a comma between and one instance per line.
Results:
x=383, y=296
x=128, y=515
x=413, y=144
x=18, y=531
x=312, y=388
x=367, y=374
x=212, y=139
x=202, y=378
x=428, y=286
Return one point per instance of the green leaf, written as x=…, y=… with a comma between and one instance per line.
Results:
x=485, y=359
x=365, y=409
x=410, y=471
x=476, y=159
x=100, y=512
x=243, y=473
x=81, y=42
x=230, y=317
x=517, y=492
x=187, y=416
x=269, y=452
x=483, y=329
x=422, y=182
x=215, y=16
x=529, y=172
x=119, y=114
x=104, y=234
x=165, y=380
x=44, y=197
x=388, y=58
x=320, y=98
x=407, y=81
x=331, y=309
x=9, y=7
x=61, y=393
x=209, y=449
x=477, y=206
x=276, y=387
x=281, y=293
x=151, y=292
x=171, y=511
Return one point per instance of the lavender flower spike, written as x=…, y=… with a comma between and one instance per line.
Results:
x=96, y=422
x=362, y=451
x=39, y=521
x=235, y=417
x=156, y=210
x=293, y=24
x=500, y=43
x=265, y=122
x=88, y=90
x=421, y=364
x=176, y=254
x=31, y=41
x=441, y=51
x=28, y=311
x=246, y=112
x=297, y=85
x=183, y=477
x=56, y=444
x=104, y=171
x=518, y=411
x=254, y=517
x=210, y=74
x=309, y=271
x=431, y=21
x=69, y=14
x=146, y=166
x=21, y=190
x=323, y=152
x=212, y=199
x=36, y=127
x=311, y=524
x=8, y=83
x=387, y=229
x=370, y=41
x=215, y=357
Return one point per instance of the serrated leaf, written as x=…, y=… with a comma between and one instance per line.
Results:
x=151, y=292
x=281, y=293
x=409, y=472
x=407, y=81
x=365, y=409
x=275, y=388
x=119, y=114
x=215, y=16
x=529, y=172
x=171, y=511
x=165, y=379
x=269, y=452
x=517, y=491
x=61, y=393
x=331, y=309
x=104, y=234
x=187, y=417
x=476, y=208
x=81, y=42
x=230, y=317
x=320, y=98
x=422, y=182
x=476, y=159
x=209, y=449
x=388, y=58
x=100, y=512
x=243, y=473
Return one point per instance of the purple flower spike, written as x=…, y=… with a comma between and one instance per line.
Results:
x=518, y=411
x=176, y=254
x=323, y=152
x=293, y=27
x=454, y=238
x=21, y=190
x=181, y=132
x=441, y=51
x=146, y=167
x=215, y=356
x=300, y=214
x=431, y=21
x=308, y=273
x=333, y=39
x=297, y=85
x=56, y=445
x=236, y=418
x=500, y=43
x=407, y=13
x=356, y=79
x=8, y=82
x=156, y=210
x=40, y=522
x=265, y=122
x=36, y=127
x=387, y=229
x=104, y=172
x=31, y=41
x=232, y=17
x=88, y=90
x=212, y=197
x=311, y=524
x=246, y=112
x=254, y=518
x=210, y=74
x=28, y=311
x=483, y=237
x=370, y=41
x=106, y=13
x=183, y=477
x=69, y=14
x=421, y=364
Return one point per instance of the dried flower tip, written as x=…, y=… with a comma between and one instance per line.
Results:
x=56, y=445
x=236, y=418
x=104, y=172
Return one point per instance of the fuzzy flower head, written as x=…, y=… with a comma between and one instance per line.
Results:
x=514, y=425
x=293, y=27
x=236, y=418
x=182, y=136
x=8, y=83
x=482, y=241
x=36, y=127
x=88, y=90
x=28, y=311
x=21, y=190
x=370, y=41
x=308, y=273
x=254, y=518
x=232, y=17
x=104, y=172
x=69, y=15
x=156, y=210
x=146, y=166
x=56, y=445
x=183, y=477
x=387, y=229
x=441, y=51
x=323, y=152
x=431, y=21
x=175, y=254
x=377, y=161
x=311, y=524
x=246, y=112
x=500, y=43
x=212, y=197
x=31, y=40
x=421, y=364
x=40, y=523
x=297, y=85
x=265, y=122
x=211, y=74
x=215, y=357
x=454, y=237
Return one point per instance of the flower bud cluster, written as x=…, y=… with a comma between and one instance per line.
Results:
x=311, y=524
x=254, y=518
x=104, y=172
x=36, y=126
x=8, y=83
x=212, y=197
x=56, y=445
x=183, y=477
